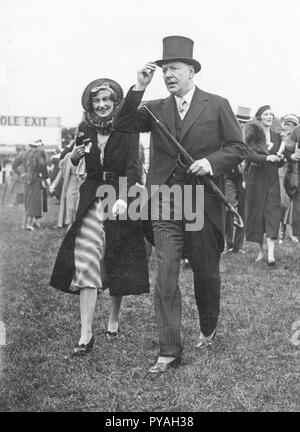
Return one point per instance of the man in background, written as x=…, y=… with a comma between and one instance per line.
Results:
x=235, y=193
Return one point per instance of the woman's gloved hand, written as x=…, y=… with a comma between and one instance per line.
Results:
x=77, y=153
x=119, y=208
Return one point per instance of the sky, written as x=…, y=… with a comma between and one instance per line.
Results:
x=51, y=49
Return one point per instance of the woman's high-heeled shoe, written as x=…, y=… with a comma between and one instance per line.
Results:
x=83, y=349
x=112, y=334
x=259, y=259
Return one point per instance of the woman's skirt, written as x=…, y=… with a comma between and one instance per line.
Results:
x=89, y=250
x=33, y=199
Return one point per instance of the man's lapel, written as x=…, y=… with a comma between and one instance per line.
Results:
x=196, y=108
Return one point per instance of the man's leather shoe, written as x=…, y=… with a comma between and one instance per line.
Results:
x=160, y=367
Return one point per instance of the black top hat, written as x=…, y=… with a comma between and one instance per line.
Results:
x=178, y=48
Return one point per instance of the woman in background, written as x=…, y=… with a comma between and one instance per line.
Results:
x=289, y=122
x=263, y=209
x=34, y=174
x=292, y=181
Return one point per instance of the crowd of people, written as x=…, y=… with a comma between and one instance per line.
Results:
x=264, y=188
x=255, y=166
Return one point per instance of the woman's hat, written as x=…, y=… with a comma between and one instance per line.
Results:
x=101, y=84
x=243, y=114
x=178, y=48
x=291, y=118
x=35, y=142
x=261, y=110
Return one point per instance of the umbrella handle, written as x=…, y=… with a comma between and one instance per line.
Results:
x=237, y=219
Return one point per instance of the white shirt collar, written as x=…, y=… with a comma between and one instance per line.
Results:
x=187, y=97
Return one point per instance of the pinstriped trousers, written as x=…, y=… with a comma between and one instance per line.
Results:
x=169, y=241
x=204, y=255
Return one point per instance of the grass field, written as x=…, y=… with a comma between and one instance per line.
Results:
x=252, y=367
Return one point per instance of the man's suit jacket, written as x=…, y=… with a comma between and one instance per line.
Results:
x=209, y=130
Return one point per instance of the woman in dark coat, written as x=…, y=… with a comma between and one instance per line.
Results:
x=263, y=209
x=292, y=181
x=81, y=266
x=34, y=173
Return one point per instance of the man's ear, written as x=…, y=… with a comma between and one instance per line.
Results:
x=192, y=71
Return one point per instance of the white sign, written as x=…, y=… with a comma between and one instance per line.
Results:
x=21, y=130
x=29, y=121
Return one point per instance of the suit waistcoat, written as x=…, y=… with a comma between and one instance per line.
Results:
x=179, y=175
x=178, y=123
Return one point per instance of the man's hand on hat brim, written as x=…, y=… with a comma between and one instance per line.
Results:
x=144, y=76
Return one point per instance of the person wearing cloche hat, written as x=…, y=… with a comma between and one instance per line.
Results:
x=293, y=156
x=291, y=118
x=289, y=201
x=206, y=126
x=263, y=208
x=100, y=250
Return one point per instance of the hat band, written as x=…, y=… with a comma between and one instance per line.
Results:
x=187, y=60
x=104, y=86
x=242, y=117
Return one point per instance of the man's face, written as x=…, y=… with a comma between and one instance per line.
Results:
x=102, y=103
x=178, y=77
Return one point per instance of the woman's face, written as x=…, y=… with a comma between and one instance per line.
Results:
x=102, y=103
x=267, y=118
x=288, y=126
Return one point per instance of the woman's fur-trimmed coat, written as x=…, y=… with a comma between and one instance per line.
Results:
x=262, y=185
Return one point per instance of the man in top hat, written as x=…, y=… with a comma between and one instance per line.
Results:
x=235, y=193
x=206, y=126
